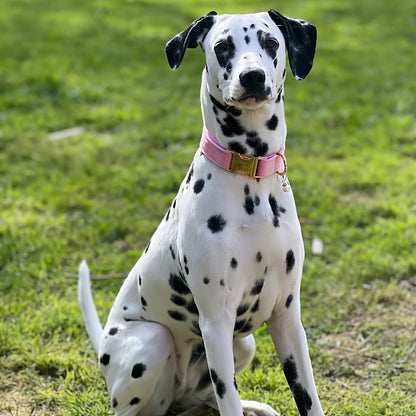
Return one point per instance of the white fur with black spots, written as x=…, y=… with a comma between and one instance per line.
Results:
x=228, y=255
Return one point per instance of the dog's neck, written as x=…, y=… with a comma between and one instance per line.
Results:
x=258, y=132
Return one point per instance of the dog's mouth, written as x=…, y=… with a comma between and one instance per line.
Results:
x=250, y=100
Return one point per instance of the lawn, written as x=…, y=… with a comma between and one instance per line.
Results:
x=100, y=66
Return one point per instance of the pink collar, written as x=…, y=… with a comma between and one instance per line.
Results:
x=254, y=167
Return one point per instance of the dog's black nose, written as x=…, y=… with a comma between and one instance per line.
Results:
x=253, y=79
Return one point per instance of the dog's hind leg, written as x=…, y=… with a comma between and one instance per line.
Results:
x=138, y=361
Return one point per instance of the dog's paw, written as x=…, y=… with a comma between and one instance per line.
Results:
x=253, y=408
x=258, y=409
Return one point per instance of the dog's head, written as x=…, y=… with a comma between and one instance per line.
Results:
x=246, y=54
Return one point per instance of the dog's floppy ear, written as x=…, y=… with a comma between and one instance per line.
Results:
x=189, y=38
x=300, y=37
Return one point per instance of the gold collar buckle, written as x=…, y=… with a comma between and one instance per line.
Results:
x=244, y=164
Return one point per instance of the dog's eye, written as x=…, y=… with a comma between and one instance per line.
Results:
x=221, y=46
x=271, y=43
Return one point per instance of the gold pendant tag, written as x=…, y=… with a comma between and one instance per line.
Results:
x=285, y=184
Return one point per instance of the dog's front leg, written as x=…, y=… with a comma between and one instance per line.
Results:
x=217, y=333
x=289, y=338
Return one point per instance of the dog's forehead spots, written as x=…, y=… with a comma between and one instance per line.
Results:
x=231, y=25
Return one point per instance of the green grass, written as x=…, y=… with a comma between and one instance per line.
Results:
x=351, y=151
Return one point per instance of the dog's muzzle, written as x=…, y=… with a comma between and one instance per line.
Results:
x=253, y=88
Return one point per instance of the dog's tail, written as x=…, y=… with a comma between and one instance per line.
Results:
x=89, y=311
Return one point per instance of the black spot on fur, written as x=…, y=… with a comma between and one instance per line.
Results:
x=252, y=26
x=172, y=252
x=178, y=316
x=199, y=186
x=219, y=384
x=226, y=108
x=225, y=76
x=302, y=398
x=192, y=308
x=205, y=280
x=276, y=210
x=143, y=300
x=105, y=359
x=290, y=261
x=246, y=189
x=134, y=401
x=167, y=215
x=247, y=39
x=290, y=370
x=259, y=256
x=234, y=263
x=237, y=147
x=125, y=308
x=259, y=147
x=216, y=223
x=258, y=286
x=222, y=283
x=197, y=353
x=225, y=51
x=247, y=327
x=138, y=370
x=271, y=124
x=242, y=309
x=204, y=381
x=209, y=176
x=195, y=328
x=255, y=307
x=235, y=384
x=249, y=205
x=178, y=285
x=275, y=62
x=113, y=331
x=147, y=247
x=178, y=300
x=256, y=200
x=273, y=205
x=289, y=301
x=245, y=29
x=190, y=174
x=232, y=127
x=114, y=403
x=238, y=325
x=279, y=95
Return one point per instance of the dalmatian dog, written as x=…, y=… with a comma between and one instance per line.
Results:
x=228, y=254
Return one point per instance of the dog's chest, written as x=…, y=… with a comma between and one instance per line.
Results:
x=225, y=238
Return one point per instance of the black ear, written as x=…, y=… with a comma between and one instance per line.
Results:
x=300, y=37
x=189, y=38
